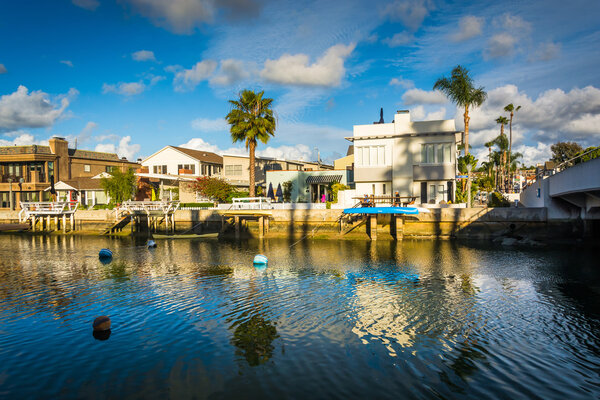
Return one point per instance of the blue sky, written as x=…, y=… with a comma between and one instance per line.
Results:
x=132, y=76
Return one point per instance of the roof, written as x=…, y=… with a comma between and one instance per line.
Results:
x=79, y=184
x=94, y=155
x=33, y=149
x=200, y=155
x=324, y=179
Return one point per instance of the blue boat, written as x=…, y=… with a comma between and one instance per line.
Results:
x=382, y=210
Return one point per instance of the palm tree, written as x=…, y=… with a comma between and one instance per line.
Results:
x=510, y=108
x=251, y=119
x=459, y=88
x=504, y=147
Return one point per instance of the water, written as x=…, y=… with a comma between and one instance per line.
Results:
x=326, y=319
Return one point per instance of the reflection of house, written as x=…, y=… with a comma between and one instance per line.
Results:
x=32, y=166
x=308, y=186
x=171, y=160
x=414, y=158
x=236, y=169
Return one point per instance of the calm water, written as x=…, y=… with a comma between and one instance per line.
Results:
x=195, y=319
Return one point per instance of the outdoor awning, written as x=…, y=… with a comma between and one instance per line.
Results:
x=325, y=179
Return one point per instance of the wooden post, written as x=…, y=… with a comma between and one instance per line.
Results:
x=236, y=220
x=373, y=227
x=399, y=227
x=48, y=221
x=173, y=222
x=261, y=226
x=131, y=223
x=33, y=221
x=64, y=223
x=56, y=223
x=266, y=225
x=72, y=221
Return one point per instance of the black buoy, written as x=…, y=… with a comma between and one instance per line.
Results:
x=101, y=323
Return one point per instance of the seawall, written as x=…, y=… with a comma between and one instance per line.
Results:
x=476, y=223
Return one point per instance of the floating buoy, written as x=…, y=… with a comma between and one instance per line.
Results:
x=101, y=323
x=105, y=254
x=259, y=259
x=151, y=244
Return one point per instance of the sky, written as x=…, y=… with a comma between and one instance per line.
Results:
x=132, y=76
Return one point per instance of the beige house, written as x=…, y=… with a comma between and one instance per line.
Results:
x=417, y=159
x=236, y=169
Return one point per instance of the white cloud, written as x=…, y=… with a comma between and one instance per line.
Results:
x=546, y=52
x=405, y=83
x=33, y=110
x=500, y=45
x=87, y=4
x=533, y=155
x=411, y=13
x=210, y=125
x=419, y=113
x=143, y=55
x=297, y=152
x=419, y=96
x=399, y=39
x=468, y=28
x=67, y=62
x=512, y=23
x=2, y=69
x=327, y=71
x=124, y=148
x=124, y=88
x=230, y=72
x=21, y=138
x=178, y=16
x=188, y=79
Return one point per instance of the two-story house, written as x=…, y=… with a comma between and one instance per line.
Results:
x=416, y=159
x=26, y=171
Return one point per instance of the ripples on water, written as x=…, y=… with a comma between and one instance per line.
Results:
x=326, y=319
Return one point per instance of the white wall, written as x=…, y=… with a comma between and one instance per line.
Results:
x=171, y=158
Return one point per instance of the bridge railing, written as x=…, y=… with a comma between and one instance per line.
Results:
x=46, y=208
x=251, y=203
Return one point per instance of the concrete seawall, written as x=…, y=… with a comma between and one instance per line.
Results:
x=476, y=223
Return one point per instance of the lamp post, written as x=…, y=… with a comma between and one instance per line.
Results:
x=21, y=180
x=10, y=196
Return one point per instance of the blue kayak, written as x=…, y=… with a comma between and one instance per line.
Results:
x=382, y=210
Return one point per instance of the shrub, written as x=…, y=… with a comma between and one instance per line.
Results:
x=196, y=205
x=497, y=200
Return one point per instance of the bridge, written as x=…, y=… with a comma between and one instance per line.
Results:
x=573, y=193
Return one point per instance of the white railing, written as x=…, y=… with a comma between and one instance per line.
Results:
x=147, y=207
x=251, y=203
x=46, y=208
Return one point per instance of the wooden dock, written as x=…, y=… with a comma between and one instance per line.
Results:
x=238, y=217
x=152, y=213
x=46, y=212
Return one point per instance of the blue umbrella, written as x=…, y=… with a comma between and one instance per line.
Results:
x=270, y=192
x=279, y=193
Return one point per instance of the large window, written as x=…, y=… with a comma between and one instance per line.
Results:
x=436, y=153
x=159, y=169
x=372, y=156
x=191, y=167
x=233, y=170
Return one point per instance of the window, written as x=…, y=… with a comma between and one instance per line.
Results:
x=436, y=153
x=233, y=170
x=50, y=169
x=372, y=156
x=87, y=168
x=110, y=168
x=159, y=169
x=189, y=167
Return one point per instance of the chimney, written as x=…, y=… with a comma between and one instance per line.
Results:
x=402, y=121
x=60, y=147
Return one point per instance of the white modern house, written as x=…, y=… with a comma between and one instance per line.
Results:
x=417, y=159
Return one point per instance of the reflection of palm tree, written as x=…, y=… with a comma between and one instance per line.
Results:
x=253, y=339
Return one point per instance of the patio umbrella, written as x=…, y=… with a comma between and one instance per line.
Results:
x=279, y=193
x=270, y=192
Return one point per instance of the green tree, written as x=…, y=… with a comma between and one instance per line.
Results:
x=466, y=163
x=564, y=151
x=460, y=89
x=590, y=154
x=287, y=191
x=335, y=188
x=511, y=110
x=121, y=186
x=214, y=188
x=251, y=119
x=504, y=149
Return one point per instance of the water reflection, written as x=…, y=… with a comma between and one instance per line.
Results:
x=360, y=319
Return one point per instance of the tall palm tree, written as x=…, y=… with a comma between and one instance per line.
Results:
x=251, y=119
x=459, y=88
x=504, y=148
x=511, y=109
